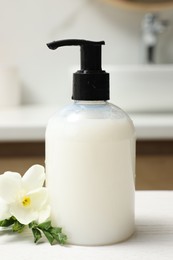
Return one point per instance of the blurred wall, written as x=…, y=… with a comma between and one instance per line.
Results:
x=26, y=27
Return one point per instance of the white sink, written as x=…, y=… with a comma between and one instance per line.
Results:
x=142, y=88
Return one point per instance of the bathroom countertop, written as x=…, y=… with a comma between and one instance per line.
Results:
x=28, y=123
x=153, y=238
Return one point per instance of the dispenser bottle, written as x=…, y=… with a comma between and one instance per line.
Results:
x=90, y=158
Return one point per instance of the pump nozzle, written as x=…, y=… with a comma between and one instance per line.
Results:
x=90, y=52
x=90, y=82
x=72, y=42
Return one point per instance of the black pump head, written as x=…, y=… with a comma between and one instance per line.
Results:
x=90, y=82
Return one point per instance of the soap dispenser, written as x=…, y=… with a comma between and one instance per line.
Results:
x=90, y=158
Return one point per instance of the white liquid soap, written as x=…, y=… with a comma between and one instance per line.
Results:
x=90, y=165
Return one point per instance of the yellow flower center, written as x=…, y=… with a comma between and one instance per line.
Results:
x=26, y=201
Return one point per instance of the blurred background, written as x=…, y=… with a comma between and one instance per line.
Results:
x=26, y=27
x=35, y=81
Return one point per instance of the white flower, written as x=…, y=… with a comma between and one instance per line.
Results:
x=24, y=197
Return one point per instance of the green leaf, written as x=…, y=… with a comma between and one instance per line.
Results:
x=37, y=234
x=18, y=227
x=56, y=230
x=45, y=225
x=62, y=238
x=7, y=222
x=49, y=236
x=51, y=233
x=58, y=235
x=33, y=224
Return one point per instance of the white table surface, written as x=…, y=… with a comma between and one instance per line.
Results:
x=28, y=123
x=153, y=239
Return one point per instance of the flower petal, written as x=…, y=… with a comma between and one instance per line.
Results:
x=34, y=178
x=23, y=214
x=4, y=210
x=10, y=184
x=44, y=214
x=38, y=198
